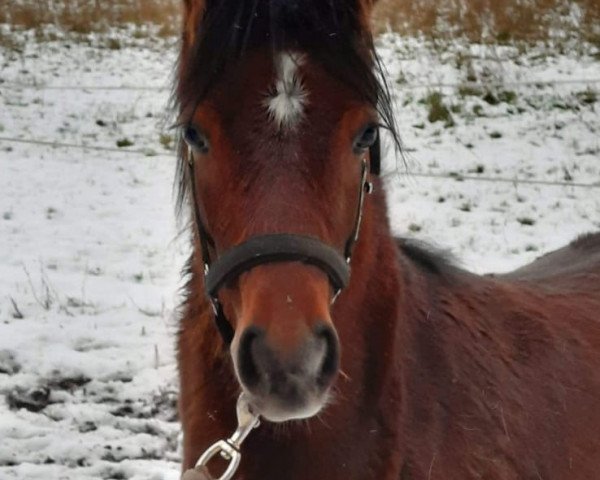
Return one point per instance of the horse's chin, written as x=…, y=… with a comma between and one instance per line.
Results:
x=277, y=410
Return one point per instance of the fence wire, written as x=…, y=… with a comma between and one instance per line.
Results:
x=457, y=177
x=96, y=148
x=410, y=86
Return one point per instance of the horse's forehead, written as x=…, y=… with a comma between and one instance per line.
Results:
x=282, y=91
x=287, y=97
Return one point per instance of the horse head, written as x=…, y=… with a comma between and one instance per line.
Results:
x=279, y=115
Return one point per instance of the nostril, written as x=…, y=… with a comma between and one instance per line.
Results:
x=247, y=368
x=331, y=359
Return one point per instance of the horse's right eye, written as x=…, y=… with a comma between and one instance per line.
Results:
x=195, y=139
x=366, y=139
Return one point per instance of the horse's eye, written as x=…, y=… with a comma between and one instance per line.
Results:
x=366, y=139
x=195, y=139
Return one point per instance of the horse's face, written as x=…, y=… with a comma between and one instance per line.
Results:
x=278, y=148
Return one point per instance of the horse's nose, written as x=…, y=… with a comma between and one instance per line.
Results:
x=288, y=378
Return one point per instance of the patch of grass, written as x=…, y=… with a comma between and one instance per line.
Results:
x=51, y=213
x=508, y=96
x=505, y=22
x=496, y=98
x=557, y=104
x=16, y=313
x=456, y=176
x=87, y=16
x=478, y=111
x=495, y=135
x=527, y=221
x=167, y=141
x=587, y=97
x=499, y=22
x=470, y=91
x=413, y=227
x=113, y=44
x=10, y=43
x=490, y=98
x=401, y=80
x=456, y=108
x=438, y=111
x=124, y=142
x=503, y=38
x=479, y=168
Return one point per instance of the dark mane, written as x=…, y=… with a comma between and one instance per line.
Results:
x=330, y=32
x=426, y=257
x=588, y=241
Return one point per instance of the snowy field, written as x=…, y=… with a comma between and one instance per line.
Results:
x=90, y=253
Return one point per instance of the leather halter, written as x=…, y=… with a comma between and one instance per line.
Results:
x=271, y=248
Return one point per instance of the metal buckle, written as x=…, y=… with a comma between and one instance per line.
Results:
x=336, y=294
x=216, y=305
x=190, y=155
x=230, y=449
x=227, y=452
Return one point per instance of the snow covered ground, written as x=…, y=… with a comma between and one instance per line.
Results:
x=90, y=254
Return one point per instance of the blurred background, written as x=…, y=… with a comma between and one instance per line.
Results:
x=497, y=102
x=476, y=20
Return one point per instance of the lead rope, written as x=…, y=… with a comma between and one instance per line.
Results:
x=228, y=449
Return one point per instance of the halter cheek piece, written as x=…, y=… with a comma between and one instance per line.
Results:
x=272, y=248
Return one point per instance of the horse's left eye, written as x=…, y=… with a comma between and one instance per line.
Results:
x=195, y=139
x=366, y=139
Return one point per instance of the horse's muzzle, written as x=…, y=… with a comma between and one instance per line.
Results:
x=292, y=384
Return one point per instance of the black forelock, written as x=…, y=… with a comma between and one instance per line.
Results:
x=329, y=32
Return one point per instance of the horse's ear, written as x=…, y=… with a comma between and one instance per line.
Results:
x=193, y=11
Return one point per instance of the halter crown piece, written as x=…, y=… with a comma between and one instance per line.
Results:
x=280, y=247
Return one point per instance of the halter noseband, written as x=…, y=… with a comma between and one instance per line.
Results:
x=272, y=248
